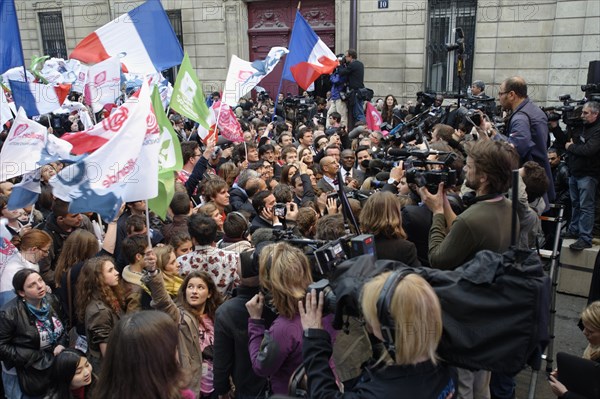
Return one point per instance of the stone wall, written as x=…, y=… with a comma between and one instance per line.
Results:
x=548, y=42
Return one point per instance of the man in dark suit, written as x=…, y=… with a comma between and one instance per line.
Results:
x=349, y=171
x=329, y=167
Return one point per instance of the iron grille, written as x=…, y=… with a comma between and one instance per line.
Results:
x=444, y=17
x=175, y=19
x=53, y=34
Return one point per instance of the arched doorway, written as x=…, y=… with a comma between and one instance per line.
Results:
x=270, y=24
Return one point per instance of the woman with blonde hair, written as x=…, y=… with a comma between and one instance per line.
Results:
x=35, y=245
x=402, y=310
x=210, y=210
x=166, y=261
x=284, y=272
x=590, y=318
x=382, y=217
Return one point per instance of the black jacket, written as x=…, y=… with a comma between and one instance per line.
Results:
x=423, y=381
x=20, y=339
x=355, y=73
x=239, y=201
x=583, y=156
x=231, y=343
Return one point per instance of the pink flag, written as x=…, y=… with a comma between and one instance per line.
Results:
x=229, y=126
x=373, y=117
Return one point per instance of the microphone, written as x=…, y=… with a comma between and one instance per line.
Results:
x=354, y=133
x=399, y=152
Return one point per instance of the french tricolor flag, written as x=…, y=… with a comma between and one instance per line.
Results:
x=143, y=37
x=35, y=98
x=309, y=56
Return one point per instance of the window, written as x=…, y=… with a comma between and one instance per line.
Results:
x=175, y=19
x=444, y=17
x=53, y=34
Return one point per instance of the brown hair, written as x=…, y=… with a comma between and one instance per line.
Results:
x=497, y=159
x=381, y=216
x=79, y=246
x=35, y=238
x=213, y=186
x=212, y=303
x=285, y=272
x=91, y=285
x=147, y=343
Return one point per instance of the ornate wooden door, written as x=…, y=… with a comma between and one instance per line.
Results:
x=270, y=24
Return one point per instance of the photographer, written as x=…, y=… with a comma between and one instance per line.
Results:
x=354, y=71
x=409, y=369
x=338, y=94
x=453, y=240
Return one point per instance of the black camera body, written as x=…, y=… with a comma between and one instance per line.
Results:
x=431, y=178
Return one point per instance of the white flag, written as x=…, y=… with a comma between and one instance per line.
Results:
x=28, y=146
x=242, y=75
x=103, y=84
x=99, y=182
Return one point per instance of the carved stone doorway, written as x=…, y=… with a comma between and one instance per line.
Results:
x=270, y=24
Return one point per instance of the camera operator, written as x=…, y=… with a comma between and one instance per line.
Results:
x=527, y=126
x=584, y=164
x=454, y=240
x=409, y=369
x=354, y=71
x=478, y=90
x=337, y=102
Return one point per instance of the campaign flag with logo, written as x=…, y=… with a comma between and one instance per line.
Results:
x=309, y=56
x=11, y=51
x=170, y=159
x=99, y=181
x=228, y=125
x=26, y=193
x=145, y=184
x=103, y=84
x=143, y=37
x=29, y=146
x=188, y=97
x=35, y=98
x=373, y=117
x=91, y=139
x=243, y=76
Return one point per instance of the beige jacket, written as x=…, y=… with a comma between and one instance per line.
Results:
x=190, y=354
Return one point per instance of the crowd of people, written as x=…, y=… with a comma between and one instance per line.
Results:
x=212, y=301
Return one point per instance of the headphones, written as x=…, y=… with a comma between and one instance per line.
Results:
x=247, y=229
x=386, y=321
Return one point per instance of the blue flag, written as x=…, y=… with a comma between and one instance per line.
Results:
x=11, y=52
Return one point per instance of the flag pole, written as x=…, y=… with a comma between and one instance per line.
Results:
x=148, y=224
x=283, y=72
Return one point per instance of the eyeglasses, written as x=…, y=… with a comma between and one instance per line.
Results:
x=45, y=251
x=501, y=93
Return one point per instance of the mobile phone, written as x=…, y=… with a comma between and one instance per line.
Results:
x=279, y=210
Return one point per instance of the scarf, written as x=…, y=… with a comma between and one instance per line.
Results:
x=44, y=322
x=172, y=284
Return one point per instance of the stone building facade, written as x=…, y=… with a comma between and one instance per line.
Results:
x=549, y=42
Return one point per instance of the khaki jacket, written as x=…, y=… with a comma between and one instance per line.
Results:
x=190, y=354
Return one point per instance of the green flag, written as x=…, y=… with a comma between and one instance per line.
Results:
x=170, y=159
x=188, y=97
